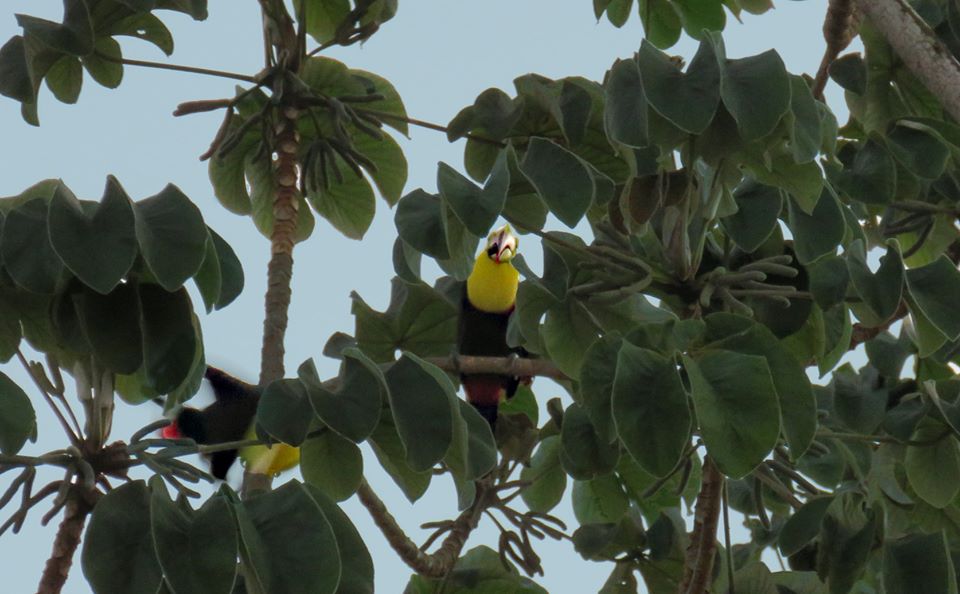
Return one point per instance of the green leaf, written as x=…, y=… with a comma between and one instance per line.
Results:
x=118, y=551
x=172, y=236
x=560, y=178
x=758, y=207
x=600, y=500
x=332, y=464
x=65, y=78
x=798, y=409
x=145, y=26
x=231, y=272
x=15, y=79
x=847, y=536
x=479, y=571
x=625, y=115
x=477, y=210
x=753, y=578
x=919, y=563
x=227, y=174
x=584, y=455
x=934, y=288
x=323, y=17
x=828, y=281
x=297, y=540
x=348, y=206
x=802, y=181
x=419, y=223
x=421, y=399
x=880, y=292
x=934, y=469
x=390, y=173
x=650, y=409
x=547, y=479
x=869, y=174
x=170, y=340
x=756, y=91
x=473, y=451
x=284, y=411
x=197, y=550
x=803, y=526
x=28, y=256
x=859, y=401
x=111, y=324
x=661, y=23
x=850, y=72
x=698, y=15
x=805, y=136
x=356, y=576
x=567, y=334
x=918, y=148
x=389, y=449
x=618, y=11
x=208, y=278
x=73, y=36
x=418, y=320
x=689, y=100
x=737, y=409
x=817, y=234
x=596, y=385
x=96, y=242
x=18, y=421
x=353, y=410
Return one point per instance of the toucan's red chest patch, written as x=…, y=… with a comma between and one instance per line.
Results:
x=483, y=390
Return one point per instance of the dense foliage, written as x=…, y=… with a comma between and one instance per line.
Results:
x=729, y=237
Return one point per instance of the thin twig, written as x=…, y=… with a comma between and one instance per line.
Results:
x=176, y=67
x=74, y=438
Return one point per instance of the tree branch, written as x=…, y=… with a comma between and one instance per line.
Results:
x=514, y=366
x=840, y=26
x=176, y=67
x=439, y=563
x=698, y=567
x=917, y=45
x=76, y=510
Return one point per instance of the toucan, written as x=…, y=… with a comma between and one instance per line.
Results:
x=488, y=300
x=230, y=418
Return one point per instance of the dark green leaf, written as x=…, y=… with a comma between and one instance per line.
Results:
x=583, y=454
x=476, y=208
x=390, y=173
x=756, y=91
x=145, y=26
x=880, y=292
x=698, y=15
x=231, y=271
x=817, y=234
x=560, y=178
x=208, y=278
x=625, y=116
x=297, y=540
x=758, y=207
x=803, y=526
x=389, y=449
x=348, y=206
x=14, y=73
x=661, y=23
x=850, y=72
x=846, y=537
x=118, y=551
x=567, y=334
x=596, y=385
x=96, y=242
x=197, y=550
x=111, y=324
x=919, y=563
x=650, y=409
x=934, y=468
x=421, y=399
x=332, y=464
x=805, y=137
x=736, y=405
x=354, y=409
x=688, y=100
x=547, y=479
x=919, y=149
x=356, y=576
x=753, y=578
x=934, y=288
x=65, y=78
x=419, y=223
x=28, y=257
x=479, y=571
x=600, y=500
x=284, y=411
x=323, y=17
x=73, y=36
x=18, y=421
x=170, y=340
x=859, y=401
x=172, y=236
x=869, y=174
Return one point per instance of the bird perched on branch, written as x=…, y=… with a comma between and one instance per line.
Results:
x=230, y=418
x=488, y=301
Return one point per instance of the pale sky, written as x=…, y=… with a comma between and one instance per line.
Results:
x=440, y=54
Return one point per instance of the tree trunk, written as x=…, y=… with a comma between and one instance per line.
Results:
x=698, y=567
x=64, y=545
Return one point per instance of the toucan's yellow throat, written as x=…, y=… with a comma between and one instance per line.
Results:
x=492, y=285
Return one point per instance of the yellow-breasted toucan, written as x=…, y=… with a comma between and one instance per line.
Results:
x=489, y=299
x=230, y=418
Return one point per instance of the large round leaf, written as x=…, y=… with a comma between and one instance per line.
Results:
x=332, y=464
x=97, y=242
x=28, y=256
x=756, y=91
x=356, y=576
x=111, y=324
x=354, y=409
x=560, y=178
x=18, y=421
x=421, y=399
x=737, y=408
x=584, y=455
x=419, y=223
x=547, y=479
x=284, y=411
x=650, y=409
x=170, y=339
x=172, y=236
x=625, y=115
x=686, y=100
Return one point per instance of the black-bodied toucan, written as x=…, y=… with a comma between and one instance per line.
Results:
x=489, y=299
x=230, y=418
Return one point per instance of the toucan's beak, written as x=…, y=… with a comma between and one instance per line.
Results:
x=506, y=246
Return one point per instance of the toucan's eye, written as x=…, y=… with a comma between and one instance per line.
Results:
x=492, y=250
